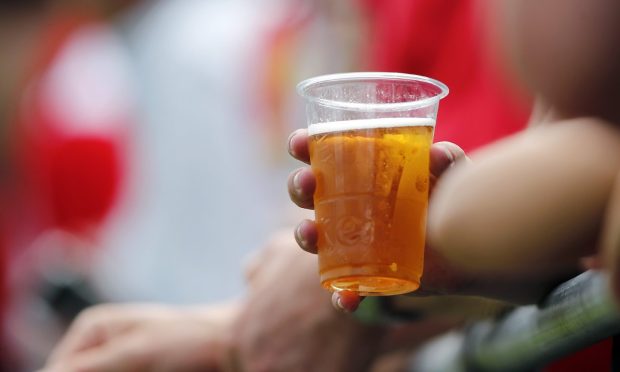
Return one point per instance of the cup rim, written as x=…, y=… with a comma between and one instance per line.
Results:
x=302, y=90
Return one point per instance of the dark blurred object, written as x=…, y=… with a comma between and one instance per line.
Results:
x=404, y=309
x=20, y=4
x=67, y=295
x=576, y=314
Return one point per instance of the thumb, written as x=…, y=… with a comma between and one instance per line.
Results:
x=443, y=156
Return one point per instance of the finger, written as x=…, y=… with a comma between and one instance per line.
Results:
x=298, y=145
x=85, y=332
x=93, y=327
x=125, y=354
x=346, y=301
x=301, y=185
x=443, y=156
x=306, y=236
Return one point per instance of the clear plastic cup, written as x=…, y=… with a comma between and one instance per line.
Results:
x=370, y=135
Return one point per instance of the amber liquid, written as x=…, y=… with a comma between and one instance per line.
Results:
x=371, y=202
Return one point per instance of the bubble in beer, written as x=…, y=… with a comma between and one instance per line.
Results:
x=421, y=183
x=352, y=230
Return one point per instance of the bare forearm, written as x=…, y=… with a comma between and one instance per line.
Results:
x=527, y=208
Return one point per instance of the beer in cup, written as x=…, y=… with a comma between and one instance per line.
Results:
x=369, y=140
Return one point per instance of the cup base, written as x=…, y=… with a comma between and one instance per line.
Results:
x=366, y=285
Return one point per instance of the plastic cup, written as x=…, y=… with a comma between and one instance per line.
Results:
x=370, y=135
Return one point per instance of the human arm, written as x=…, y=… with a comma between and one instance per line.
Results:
x=145, y=337
x=287, y=322
x=528, y=208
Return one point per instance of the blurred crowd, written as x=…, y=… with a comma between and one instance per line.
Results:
x=142, y=148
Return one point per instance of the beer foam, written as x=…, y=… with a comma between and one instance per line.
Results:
x=341, y=126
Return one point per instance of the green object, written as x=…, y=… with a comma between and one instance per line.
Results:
x=370, y=311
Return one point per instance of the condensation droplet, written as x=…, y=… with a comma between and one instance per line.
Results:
x=421, y=183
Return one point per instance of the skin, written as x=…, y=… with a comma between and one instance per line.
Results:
x=565, y=51
x=298, y=313
x=267, y=330
x=548, y=215
x=254, y=334
x=137, y=337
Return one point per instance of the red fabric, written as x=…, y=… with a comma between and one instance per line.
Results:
x=3, y=285
x=72, y=178
x=77, y=175
x=445, y=40
x=596, y=358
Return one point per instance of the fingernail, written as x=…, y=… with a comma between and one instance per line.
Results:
x=339, y=304
x=300, y=240
x=348, y=300
x=288, y=142
x=448, y=153
x=297, y=183
x=291, y=150
x=336, y=302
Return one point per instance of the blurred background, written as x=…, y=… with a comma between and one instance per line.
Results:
x=143, y=148
x=142, y=143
